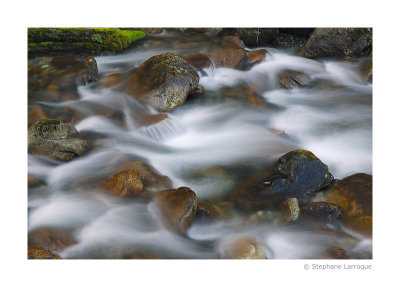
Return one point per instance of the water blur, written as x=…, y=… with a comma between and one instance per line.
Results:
x=332, y=118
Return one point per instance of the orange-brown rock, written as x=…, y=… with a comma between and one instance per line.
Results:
x=246, y=247
x=177, y=207
x=35, y=252
x=337, y=253
x=199, y=60
x=152, y=180
x=54, y=239
x=125, y=183
x=35, y=113
x=214, y=211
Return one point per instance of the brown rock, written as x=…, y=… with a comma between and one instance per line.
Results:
x=337, y=253
x=152, y=180
x=177, y=207
x=199, y=60
x=34, y=181
x=290, y=79
x=54, y=239
x=364, y=68
x=110, y=80
x=35, y=113
x=246, y=247
x=213, y=211
x=229, y=53
x=35, y=252
x=125, y=183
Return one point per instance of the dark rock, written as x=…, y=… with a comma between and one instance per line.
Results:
x=90, y=73
x=164, y=81
x=297, y=173
x=228, y=51
x=34, y=181
x=54, y=239
x=302, y=32
x=125, y=183
x=338, y=43
x=245, y=247
x=253, y=37
x=364, y=68
x=324, y=211
x=177, y=207
x=55, y=138
x=198, y=60
x=35, y=252
x=290, y=79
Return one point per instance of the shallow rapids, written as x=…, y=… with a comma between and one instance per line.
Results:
x=332, y=118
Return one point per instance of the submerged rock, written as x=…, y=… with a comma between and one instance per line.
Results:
x=290, y=79
x=207, y=210
x=35, y=252
x=55, y=138
x=125, y=183
x=177, y=207
x=245, y=247
x=51, y=238
x=337, y=253
x=298, y=173
x=337, y=42
x=90, y=72
x=163, y=81
x=322, y=211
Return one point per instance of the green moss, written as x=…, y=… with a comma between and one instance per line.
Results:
x=97, y=38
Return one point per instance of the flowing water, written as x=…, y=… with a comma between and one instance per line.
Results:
x=332, y=118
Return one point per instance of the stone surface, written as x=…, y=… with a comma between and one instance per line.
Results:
x=337, y=42
x=177, y=208
x=337, y=253
x=253, y=37
x=51, y=238
x=35, y=252
x=125, y=183
x=55, y=138
x=324, y=211
x=245, y=247
x=290, y=79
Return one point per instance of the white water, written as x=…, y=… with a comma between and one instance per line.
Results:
x=333, y=120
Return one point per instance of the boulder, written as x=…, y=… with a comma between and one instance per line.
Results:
x=253, y=37
x=323, y=211
x=245, y=247
x=290, y=79
x=337, y=43
x=337, y=253
x=51, y=238
x=35, y=252
x=125, y=183
x=152, y=180
x=177, y=208
x=55, y=138
x=297, y=173
x=163, y=81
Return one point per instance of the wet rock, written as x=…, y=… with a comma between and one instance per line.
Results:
x=177, y=207
x=324, y=211
x=354, y=195
x=144, y=255
x=163, y=81
x=246, y=247
x=35, y=252
x=364, y=68
x=55, y=138
x=290, y=210
x=35, y=113
x=125, y=183
x=34, y=181
x=254, y=57
x=110, y=80
x=50, y=238
x=337, y=42
x=90, y=72
x=207, y=210
x=146, y=120
x=290, y=79
x=152, y=180
x=198, y=60
x=253, y=37
x=228, y=51
x=244, y=94
x=297, y=173
x=337, y=253
x=279, y=132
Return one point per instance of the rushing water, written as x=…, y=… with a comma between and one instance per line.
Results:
x=333, y=119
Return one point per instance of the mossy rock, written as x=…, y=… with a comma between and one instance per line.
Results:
x=88, y=41
x=35, y=252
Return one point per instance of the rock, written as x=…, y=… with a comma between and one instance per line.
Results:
x=199, y=60
x=35, y=113
x=50, y=238
x=254, y=57
x=338, y=43
x=297, y=173
x=34, y=181
x=86, y=41
x=290, y=79
x=90, y=73
x=163, y=81
x=324, y=211
x=207, y=210
x=279, y=132
x=228, y=51
x=177, y=207
x=253, y=37
x=290, y=210
x=245, y=247
x=55, y=138
x=364, y=68
x=125, y=183
x=152, y=180
x=354, y=195
x=35, y=252
x=337, y=253
x=244, y=94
